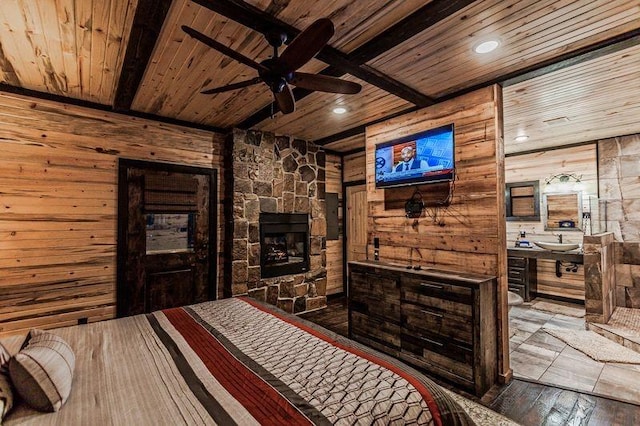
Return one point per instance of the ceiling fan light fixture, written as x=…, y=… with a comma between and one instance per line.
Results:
x=486, y=46
x=521, y=138
x=281, y=70
x=339, y=110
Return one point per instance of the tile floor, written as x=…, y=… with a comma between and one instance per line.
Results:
x=537, y=355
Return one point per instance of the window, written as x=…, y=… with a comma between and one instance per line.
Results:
x=523, y=201
x=170, y=232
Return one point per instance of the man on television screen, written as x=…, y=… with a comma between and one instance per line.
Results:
x=409, y=161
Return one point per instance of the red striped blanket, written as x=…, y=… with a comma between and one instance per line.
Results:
x=237, y=361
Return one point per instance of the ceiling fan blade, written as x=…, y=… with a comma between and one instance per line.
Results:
x=223, y=49
x=233, y=86
x=285, y=100
x=325, y=83
x=307, y=45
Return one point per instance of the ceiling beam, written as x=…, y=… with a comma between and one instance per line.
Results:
x=254, y=18
x=145, y=31
x=596, y=50
x=418, y=21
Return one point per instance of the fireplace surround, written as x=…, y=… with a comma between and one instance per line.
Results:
x=267, y=174
x=284, y=244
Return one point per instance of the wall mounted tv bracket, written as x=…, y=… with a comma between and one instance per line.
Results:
x=414, y=206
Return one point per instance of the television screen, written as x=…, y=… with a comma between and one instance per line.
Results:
x=421, y=158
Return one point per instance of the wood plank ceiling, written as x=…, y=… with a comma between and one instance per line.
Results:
x=73, y=48
x=405, y=53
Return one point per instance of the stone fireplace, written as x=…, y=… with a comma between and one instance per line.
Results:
x=279, y=182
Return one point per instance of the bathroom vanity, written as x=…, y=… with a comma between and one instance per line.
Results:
x=522, y=267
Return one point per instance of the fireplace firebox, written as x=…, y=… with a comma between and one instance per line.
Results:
x=284, y=244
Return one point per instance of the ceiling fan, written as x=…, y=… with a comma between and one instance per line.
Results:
x=279, y=71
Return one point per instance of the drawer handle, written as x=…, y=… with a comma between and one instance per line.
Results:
x=434, y=286
x=433, y=342
x=435, y=314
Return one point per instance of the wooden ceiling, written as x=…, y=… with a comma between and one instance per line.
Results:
x=575, y=56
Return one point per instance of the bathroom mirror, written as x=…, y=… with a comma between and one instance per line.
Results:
x=563, y=211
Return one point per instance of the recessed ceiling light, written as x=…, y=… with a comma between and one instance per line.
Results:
x=486, y=46
x=339, y=110
x=521, y=138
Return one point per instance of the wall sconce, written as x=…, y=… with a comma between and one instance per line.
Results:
x=563, y=182
x=563, y=178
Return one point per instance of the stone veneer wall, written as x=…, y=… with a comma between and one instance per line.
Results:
x=627, y=261
x=275, y=174
x=599, y=277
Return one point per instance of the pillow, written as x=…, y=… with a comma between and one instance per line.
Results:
x=42, y=371
x=6, y=394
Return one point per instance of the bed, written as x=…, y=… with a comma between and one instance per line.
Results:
x=238, y=361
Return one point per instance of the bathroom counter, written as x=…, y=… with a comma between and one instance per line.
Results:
x=575, y=256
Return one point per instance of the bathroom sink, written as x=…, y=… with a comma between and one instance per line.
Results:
x=556, y=246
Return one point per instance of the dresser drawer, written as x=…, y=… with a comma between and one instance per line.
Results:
x=451, y=357
x=375, y=295
x=517, y=275
x=441, y=297
x=374, y=329
x=375, y=285
x=437, y=289
x=519, y=262
x=433, y=322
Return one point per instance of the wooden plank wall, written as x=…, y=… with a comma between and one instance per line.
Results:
x=334, y=247
x=579, y=160
x=354, y=170
x=58, y=180
x=468, y=235
x=355, y=167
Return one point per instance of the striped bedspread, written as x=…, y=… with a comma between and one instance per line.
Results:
x=236, y=361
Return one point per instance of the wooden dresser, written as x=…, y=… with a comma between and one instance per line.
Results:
x=440, y=321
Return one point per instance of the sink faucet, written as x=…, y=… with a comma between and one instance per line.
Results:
x=560, y=238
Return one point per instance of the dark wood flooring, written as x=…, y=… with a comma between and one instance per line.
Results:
x=527, y=403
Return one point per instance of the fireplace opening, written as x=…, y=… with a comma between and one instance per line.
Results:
x=284, y=243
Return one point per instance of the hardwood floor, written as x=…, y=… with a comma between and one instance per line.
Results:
x=527, y=403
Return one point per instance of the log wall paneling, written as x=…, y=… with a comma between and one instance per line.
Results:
x=355, y=167
x=334, y=247
x=469, y=235
x=58, y=222
x=217, y=161
x=570, y=285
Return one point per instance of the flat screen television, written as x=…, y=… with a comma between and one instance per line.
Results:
x=416, y=159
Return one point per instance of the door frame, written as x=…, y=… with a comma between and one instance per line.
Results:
x=124, y=164
x=346, y=185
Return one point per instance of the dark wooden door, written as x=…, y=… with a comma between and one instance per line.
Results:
x=166, y=247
